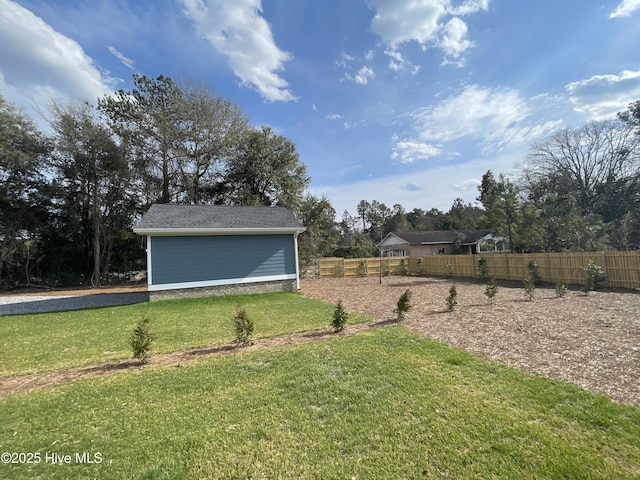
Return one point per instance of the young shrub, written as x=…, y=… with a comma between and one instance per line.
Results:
x=452, y=299
x=385, y=268
x=403, y=305
x=448, y=270
x=363, y=269
x=534, y=272
x=404, y=267
x=491, y=290
x=595, y=277
x=421, y=267
x=339, y=317
x=244, y=326
x=529, y=288
x=483, y=269
x=141, y=340
x=561, y=289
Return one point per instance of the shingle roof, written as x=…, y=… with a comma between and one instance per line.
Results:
x=442, y=236
x=165, y=218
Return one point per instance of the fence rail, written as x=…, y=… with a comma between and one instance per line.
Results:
x=622, y=268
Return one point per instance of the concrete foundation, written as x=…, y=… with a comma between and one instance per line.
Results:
x=237, y=289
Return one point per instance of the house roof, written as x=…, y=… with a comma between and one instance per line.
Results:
x=441, y=236
x=168, y=219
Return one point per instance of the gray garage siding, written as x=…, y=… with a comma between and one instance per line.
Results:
x=184, y=259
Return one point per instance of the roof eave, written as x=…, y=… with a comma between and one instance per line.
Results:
x=158, y=232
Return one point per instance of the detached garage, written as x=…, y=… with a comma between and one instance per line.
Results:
x=196, y=250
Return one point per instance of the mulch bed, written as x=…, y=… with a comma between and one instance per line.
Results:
x=592, y=341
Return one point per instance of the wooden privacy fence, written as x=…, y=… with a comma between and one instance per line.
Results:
x=622, y=268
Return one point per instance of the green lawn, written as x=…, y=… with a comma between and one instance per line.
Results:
x=383, y=404
x=52, y=341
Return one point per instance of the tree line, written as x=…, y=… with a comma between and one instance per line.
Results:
x=577, y=190
x=70, y=196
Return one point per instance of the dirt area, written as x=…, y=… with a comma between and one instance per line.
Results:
x=592, y=341
x=27, y=383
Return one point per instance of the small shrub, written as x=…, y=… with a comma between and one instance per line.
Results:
x=385, y=268
x=403, y=305
x=561, y=289
x=404, y=267
x=483, y=269
x=529, y=288
x=491, y=290
x=534, y=272
x=363, y=269
x=141, y=340
x=421, y=266
x=448, y=270
x=244, y=326
x=339, y=317
x=452, y=299
x=595, y=277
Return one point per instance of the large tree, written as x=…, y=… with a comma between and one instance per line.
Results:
x=179, y=136
x=599, y=164
x=23, y=151
x=146, y=119
x=265, y=170
x=94, y=203
x=209, y=131
x=502, y=209
x=321, y=235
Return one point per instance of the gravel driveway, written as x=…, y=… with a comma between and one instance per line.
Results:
x=20, y=304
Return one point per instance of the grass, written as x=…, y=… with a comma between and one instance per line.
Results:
x=53, y=341
x=378, y=405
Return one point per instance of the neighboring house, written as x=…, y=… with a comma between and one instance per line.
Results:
x=444, y=242
x=220, y=249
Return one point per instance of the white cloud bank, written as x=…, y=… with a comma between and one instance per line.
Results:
x=602, y=96
x=431, y=23
x=499, y=117
x=625, y=9
x=236, y=29
x=411, y=151
x=39, y=64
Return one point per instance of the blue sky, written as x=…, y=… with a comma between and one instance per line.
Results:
x=400, y=101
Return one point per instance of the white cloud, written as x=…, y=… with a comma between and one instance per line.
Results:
x=625, y=9
x=398, y=21
x=39, y=65
x=398, y=62
x=362, y=76
x=431, y=23
x=453, y=40
x=236, y=29
x=602, y=96
x=334, y=116
x=411, y=151
x=498, y=117
x=127, y=62
x=470, y=6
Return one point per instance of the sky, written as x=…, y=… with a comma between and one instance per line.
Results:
x=405, y=102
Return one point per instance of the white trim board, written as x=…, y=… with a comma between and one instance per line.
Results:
x=221, y=282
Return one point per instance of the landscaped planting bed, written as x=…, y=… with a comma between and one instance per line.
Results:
x=589, y=340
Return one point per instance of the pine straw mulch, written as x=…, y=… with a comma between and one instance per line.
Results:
x=592, y=341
